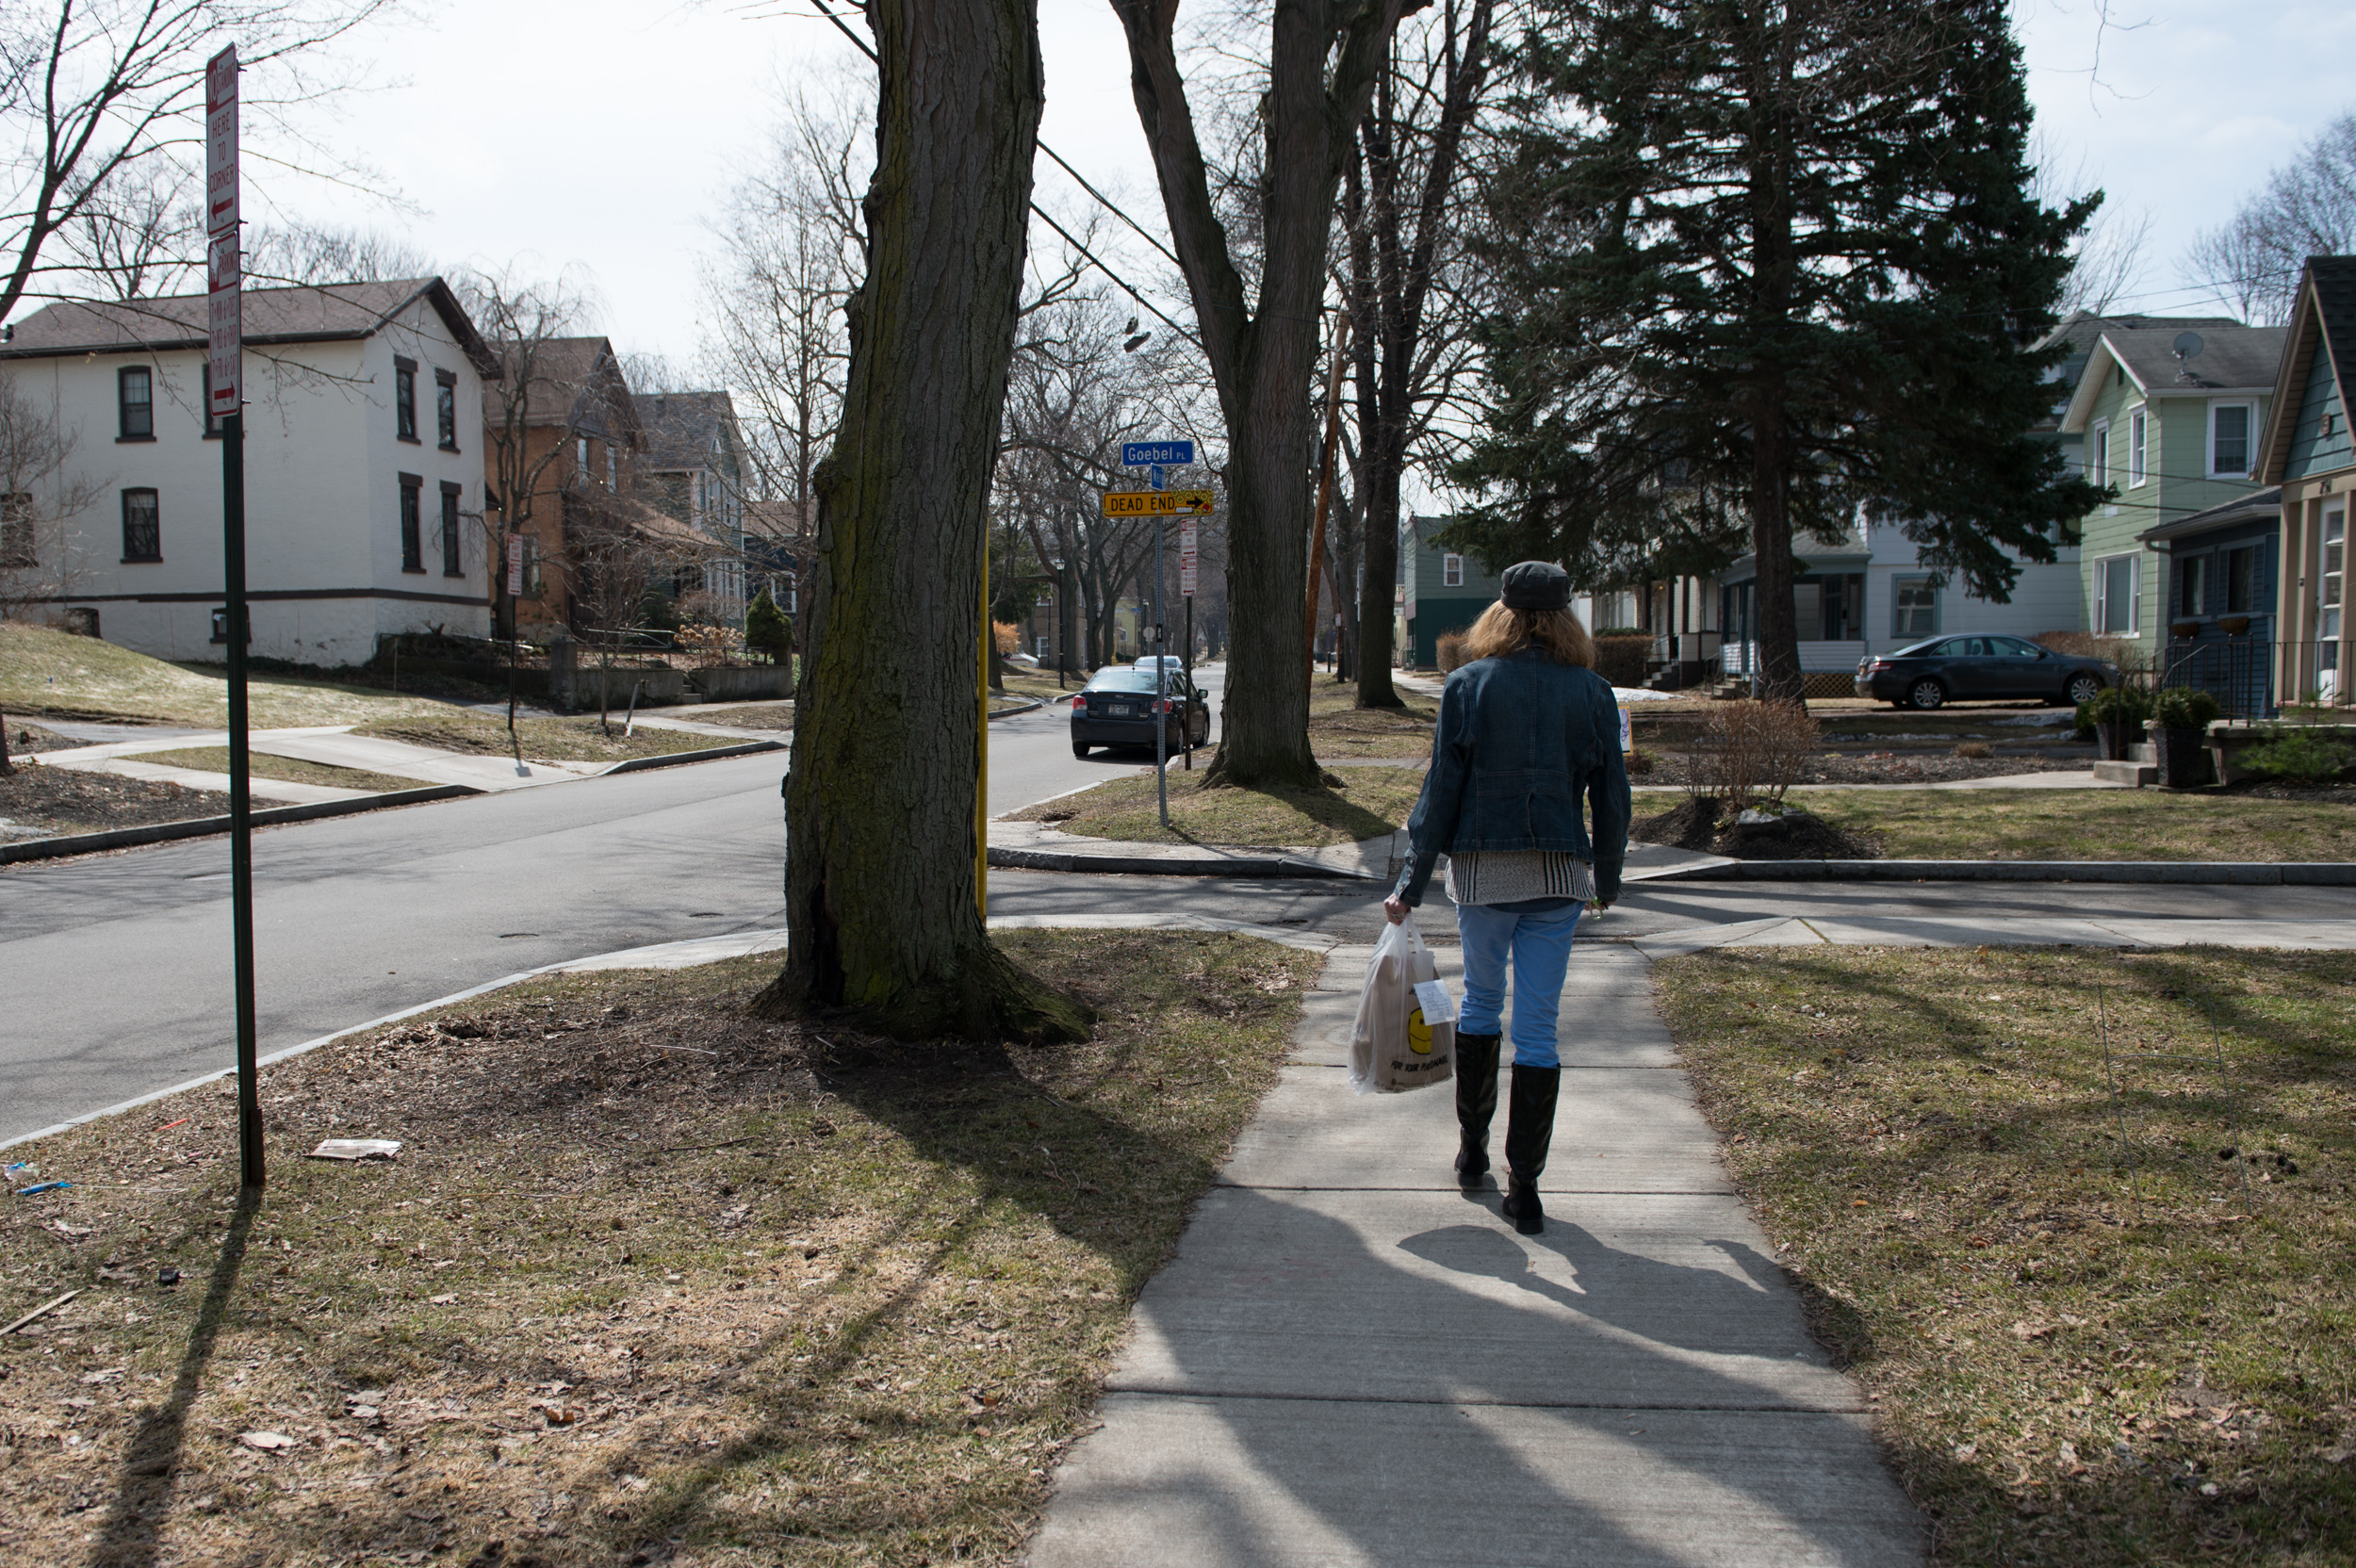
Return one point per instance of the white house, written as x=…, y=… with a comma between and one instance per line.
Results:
x=362, y=467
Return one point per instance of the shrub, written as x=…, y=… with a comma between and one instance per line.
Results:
x=1750, y=752
x=2086, y=723
x=767, y=628
x=2184, y=707
x=2302, y=755
x=2121, y=705
x=708, y=644
x=1620, y=658
x=1973, y=750
x=2125, y=652
x=1449, y=650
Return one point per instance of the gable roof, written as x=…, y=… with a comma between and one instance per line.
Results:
x=2232, y=358
x=682, y=427
x=311, y=313
x=2323, y=310
x=577, y=383
x=2084, y=329
x=2258, y=506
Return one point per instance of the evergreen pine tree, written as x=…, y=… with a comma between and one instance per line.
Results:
x=768, y=628
x=1769, y=261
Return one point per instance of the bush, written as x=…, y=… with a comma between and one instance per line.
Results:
x=1749, y=752
x=708, y=646
x=2302, y=755
x=2086, y=723
x=2128, y=705
x=1620, y=656
x=1449, y=650
x=767, y=628
x=2184, y=707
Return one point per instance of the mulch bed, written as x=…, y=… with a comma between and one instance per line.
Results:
x=68, y=800
x=1706, y=825
x=1902, y=767
x=29, y=739
x=2283, y=789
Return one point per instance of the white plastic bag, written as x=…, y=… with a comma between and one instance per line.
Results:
x=1393, y=1046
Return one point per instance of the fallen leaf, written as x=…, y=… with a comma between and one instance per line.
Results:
x=269, y=1442
x=440, y=1301
x=2026, y=1331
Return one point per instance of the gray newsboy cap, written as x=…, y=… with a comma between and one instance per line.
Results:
x=1537, y=585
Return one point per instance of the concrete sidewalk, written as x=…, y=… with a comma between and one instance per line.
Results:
x=1351, y=1363
x=1039, y=846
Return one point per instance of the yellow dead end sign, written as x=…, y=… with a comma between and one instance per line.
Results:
x=1157, y=503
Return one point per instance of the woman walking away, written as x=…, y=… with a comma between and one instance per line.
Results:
x=1528, y=731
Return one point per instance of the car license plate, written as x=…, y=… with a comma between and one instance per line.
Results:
x=1120, y=710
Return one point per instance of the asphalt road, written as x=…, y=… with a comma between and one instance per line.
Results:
x=117, y=966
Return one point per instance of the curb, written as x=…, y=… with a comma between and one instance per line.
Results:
x=198, y=827
x=1031, y=706
x=2263, y=873
x=1147, y=865
x=711, y=753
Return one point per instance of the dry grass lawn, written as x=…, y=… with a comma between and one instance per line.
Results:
x=2090, y=824
x=1340, y=727
x=576, y=739
x=43, y=671
x=2098, y=1331
x=651, y=1279
x=1366, y=803
x=291, y=770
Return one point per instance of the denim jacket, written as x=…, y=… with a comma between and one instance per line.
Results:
x=1521, y=742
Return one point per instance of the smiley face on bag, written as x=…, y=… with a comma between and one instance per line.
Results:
x=1418, y=1033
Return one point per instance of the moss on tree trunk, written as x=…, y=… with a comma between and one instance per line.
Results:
x=880, y=822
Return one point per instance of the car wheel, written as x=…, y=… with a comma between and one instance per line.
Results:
x=2083, y=687
x=1926, y=693
x=1079, y=749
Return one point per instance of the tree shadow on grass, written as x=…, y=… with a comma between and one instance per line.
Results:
x=143, y=1486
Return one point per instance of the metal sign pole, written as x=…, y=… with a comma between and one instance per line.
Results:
x=1161, y=673
x=226, y=349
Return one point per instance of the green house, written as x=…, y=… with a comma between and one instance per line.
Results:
x=2171, y=416
x=1439, y=592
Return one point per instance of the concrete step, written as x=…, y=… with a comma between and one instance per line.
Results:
x=2139, y=774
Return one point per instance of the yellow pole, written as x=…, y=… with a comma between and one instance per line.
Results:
x=981, y=755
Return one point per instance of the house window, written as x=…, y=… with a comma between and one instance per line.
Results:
x=1915, y=612
x=142, y=535
x=446, y=410
x=405, y=398
x=2192, y=584
x=581, y=457
x=2229, y=440
x=612, y=469
x=17, y=547
x=2119, y=596
x=2241, y=579
x=1451, y=571
x=2135, y=447
x=2334, y=575
x=450, y=566
x=135, y=403
x=412, y=543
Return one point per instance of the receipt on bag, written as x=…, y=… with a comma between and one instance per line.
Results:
x=1432, y=997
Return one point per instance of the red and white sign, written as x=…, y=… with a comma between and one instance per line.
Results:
x=514, y=566
x=224, y=319
x=1189, y=552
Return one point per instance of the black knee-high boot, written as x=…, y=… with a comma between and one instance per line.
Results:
x=1476, y=1103
x=1528, y=1133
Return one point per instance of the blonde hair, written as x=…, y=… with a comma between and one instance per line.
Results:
x=1503, y=630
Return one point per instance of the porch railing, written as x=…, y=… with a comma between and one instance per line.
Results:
x=2254, y=677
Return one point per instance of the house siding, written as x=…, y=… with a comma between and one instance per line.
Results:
x=2313, y=451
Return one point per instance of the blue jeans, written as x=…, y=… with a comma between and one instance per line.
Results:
x=1540, y=946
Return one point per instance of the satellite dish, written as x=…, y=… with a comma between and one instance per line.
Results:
x=2188, y=345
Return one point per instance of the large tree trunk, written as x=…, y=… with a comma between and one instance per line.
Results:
x=880, y=822
x=1322, y=62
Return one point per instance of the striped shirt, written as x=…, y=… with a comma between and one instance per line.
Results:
x=1512, y=875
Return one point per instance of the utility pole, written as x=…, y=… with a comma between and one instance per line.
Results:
x=226, y=349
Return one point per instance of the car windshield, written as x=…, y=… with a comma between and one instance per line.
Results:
x=1122, y=681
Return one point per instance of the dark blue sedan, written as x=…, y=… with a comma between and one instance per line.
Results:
x=1115, y=708
x=1980, y=668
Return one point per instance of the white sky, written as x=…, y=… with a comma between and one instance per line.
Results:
x=598, y=135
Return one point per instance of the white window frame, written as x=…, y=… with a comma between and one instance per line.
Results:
x=2134, y=594
x=2249, y=440
x=1451, y=571
x=2098, y=455
x=2331, y=574
x=2138, y=430
x=1898, y=586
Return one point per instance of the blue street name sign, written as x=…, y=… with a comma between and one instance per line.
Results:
x=1139, y=454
